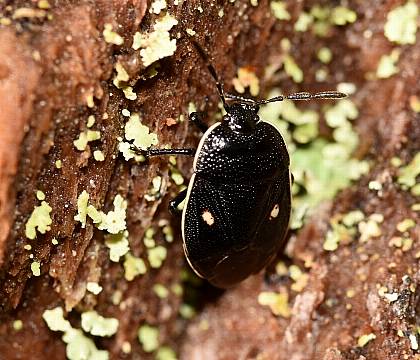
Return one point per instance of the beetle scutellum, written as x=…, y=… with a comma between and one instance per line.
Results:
x=238, y=201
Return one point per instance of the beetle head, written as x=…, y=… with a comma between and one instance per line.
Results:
x=242, y=117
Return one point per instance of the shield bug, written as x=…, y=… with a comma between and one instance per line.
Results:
x=238, y=201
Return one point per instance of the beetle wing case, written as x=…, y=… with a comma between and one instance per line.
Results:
x=238, y=203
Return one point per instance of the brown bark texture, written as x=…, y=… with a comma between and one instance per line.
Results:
x=57, y=69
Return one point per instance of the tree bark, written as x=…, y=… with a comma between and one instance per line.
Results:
x=57, y=69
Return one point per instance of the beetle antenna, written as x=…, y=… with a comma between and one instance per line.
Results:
x=304, y=96
x=212, y=71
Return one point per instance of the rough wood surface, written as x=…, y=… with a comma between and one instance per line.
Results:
x=49, y=67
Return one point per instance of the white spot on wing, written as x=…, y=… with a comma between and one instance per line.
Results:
x=207, y=217
x=274, y=212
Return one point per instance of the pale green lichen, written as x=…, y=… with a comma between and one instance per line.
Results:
x=82, y=205
x=44, y=4
x=89, y=101
x=375, y=185
x=148, y=337
x=40, y=220
x=110, y=36
x=128, y=153
x=321, y=74
x=90, y=121
x=176, y=176
x=136, y=41
x=98, y=155
x=86, y=137
x=177, y=289
x=190, y=32
x=303, y=22
x=401, y=25
x=139, y=133
x=324, y=55
x=246, y=78
x=168, y=232
x=299, y=277
x=58, y=164
x=343, y=229
x=405, y=225
x=114, y=221
x=36, y=268
x=187, y=311
x=129, y=93
x=148, y=240
x=352, y=218
x=322, y=18
x=93, y=287
x=347, y=88
x=153, y=192
x=403, y=243
x=279, y=10
x=370, y=228
x=121, y=77
x=161, y=291
x=80, y=347
x=98, y=325
x=94, y=214
x=292, y=69
x=157, y=6
x=338, y=115
x=5, y=21
x=133, y=266
x=341, y=15
x=332, y=240
x=407, y=174
x=55, y=319
x=415, y=190
x=304, y=133
x=27, y=12
x=387, y=65
x=126, y=347
x=415, y=103
x=40, y=195
x=277, y=302
x=120, y=81
x=118, y=245
x=17, y=325
x=413, y=341
x=281, y=269
x=415, y=207
x=157, y=44
x=165, y=353
x=156, y=256
x=364, y=339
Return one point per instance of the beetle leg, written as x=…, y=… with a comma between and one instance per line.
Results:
x=197, y=119
x=173, y=204
x=162, y=152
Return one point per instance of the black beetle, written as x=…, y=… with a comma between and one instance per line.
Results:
x=238, y=201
